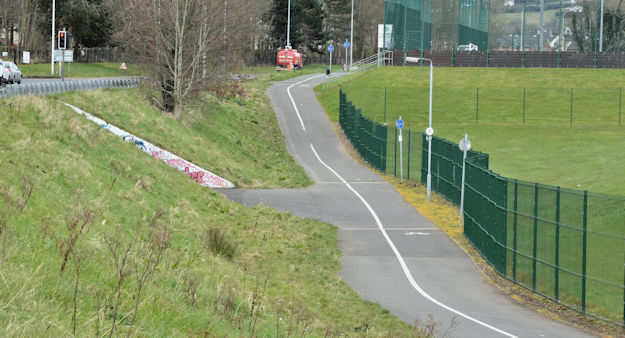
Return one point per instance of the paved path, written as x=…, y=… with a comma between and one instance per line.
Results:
x=392, y=255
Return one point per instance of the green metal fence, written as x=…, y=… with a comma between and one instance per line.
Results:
x=566, y=245
x=501, y=106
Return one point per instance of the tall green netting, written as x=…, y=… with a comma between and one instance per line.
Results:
x=437, y=25
x=411, y=22
x=473, y=23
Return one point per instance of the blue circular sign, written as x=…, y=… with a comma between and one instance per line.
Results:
x=346, y=44
x=330, y=48
x=399, y=123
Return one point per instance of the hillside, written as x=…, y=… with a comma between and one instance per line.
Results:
x=99, y=238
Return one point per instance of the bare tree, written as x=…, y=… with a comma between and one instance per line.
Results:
x=174, y=39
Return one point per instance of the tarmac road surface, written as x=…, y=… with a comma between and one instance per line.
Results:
x=392, y=255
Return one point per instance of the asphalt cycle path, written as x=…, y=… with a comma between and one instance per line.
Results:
x=392, y=255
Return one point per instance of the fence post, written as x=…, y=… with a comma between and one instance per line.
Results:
x=477, y=104
x=557, y=271
x=384, y=105
x=514, y=228
x=523, y=105
x=395, y=157
x=584, y=254
x=571, y=106
x=620, y=101
x=408, y=176
x=535, y=237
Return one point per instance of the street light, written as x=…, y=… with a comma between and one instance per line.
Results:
x=429, y=131
x=351, y=40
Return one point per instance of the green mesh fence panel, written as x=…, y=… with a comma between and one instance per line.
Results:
x=473, y=23
x=369, y=138
x=566, y=245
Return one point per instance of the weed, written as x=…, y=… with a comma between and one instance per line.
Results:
x=149, y=255
x=76, y=223
x=216, y=241
x=120, y=254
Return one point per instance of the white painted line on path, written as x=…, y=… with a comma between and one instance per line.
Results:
x=401, y=259
x=288, y=91
x=383, y=231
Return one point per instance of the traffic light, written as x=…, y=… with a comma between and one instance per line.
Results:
x=63, y=39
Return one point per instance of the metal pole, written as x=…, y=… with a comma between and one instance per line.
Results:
x=429, y=177
x=351, y=40
x=601, y=30
x=330, y=62
x=560, y=37
x=346, y=55
x=523, y=38
x=523, y=105
x=542, y=25
x=464, y=161
x=53, y=24
x=477, y=104
x=385, y=105
x=401, y=159
x=288, y=27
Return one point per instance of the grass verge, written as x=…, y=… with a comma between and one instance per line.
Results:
x=100, y=69
x=101, y=239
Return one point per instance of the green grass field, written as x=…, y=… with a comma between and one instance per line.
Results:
x=97, y=236
x=101, y=69
x=546, y=149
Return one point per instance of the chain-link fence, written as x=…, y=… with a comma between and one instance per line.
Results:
x=566, y=245
x=56, y=87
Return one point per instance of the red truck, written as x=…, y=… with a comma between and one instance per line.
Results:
x=289, y=59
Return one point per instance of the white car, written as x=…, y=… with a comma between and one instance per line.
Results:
x=4, y=73
x=15, y=74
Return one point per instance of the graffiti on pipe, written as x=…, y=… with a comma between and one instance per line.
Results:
x=198, y=174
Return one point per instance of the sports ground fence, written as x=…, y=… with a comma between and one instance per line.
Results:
x=566, y=245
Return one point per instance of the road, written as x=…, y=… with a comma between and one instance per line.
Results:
x=392, y=255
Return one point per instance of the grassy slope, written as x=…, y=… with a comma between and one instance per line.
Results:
x=82, y=70
x=77, y=168
x=238, y=139
x=546, y=149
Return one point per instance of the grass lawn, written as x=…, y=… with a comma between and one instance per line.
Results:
x=98, y=236
x=101, y=69
x=546, y=149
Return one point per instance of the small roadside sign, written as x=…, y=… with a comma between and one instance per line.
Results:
x=399, y=123
x=330, y=48
x=346, y=44
x=123, y=66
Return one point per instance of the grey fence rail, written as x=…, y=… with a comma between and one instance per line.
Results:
x=55, y=87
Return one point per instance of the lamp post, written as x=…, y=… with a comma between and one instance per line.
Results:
x=351, y=40
x=52, y=53
x=429, y=131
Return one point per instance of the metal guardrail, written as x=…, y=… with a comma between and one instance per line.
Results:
x=56, y=87
x=377, y=60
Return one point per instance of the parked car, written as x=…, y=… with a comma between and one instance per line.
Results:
x=4, y=73
x=467, y=48
x=15, y=74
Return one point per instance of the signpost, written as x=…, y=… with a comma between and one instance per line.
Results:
x=400, y=124
x=464, y=145
x=346, y=45
x=330, y=49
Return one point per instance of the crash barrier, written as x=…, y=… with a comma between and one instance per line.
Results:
x=566, y=245
x=56, y=87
